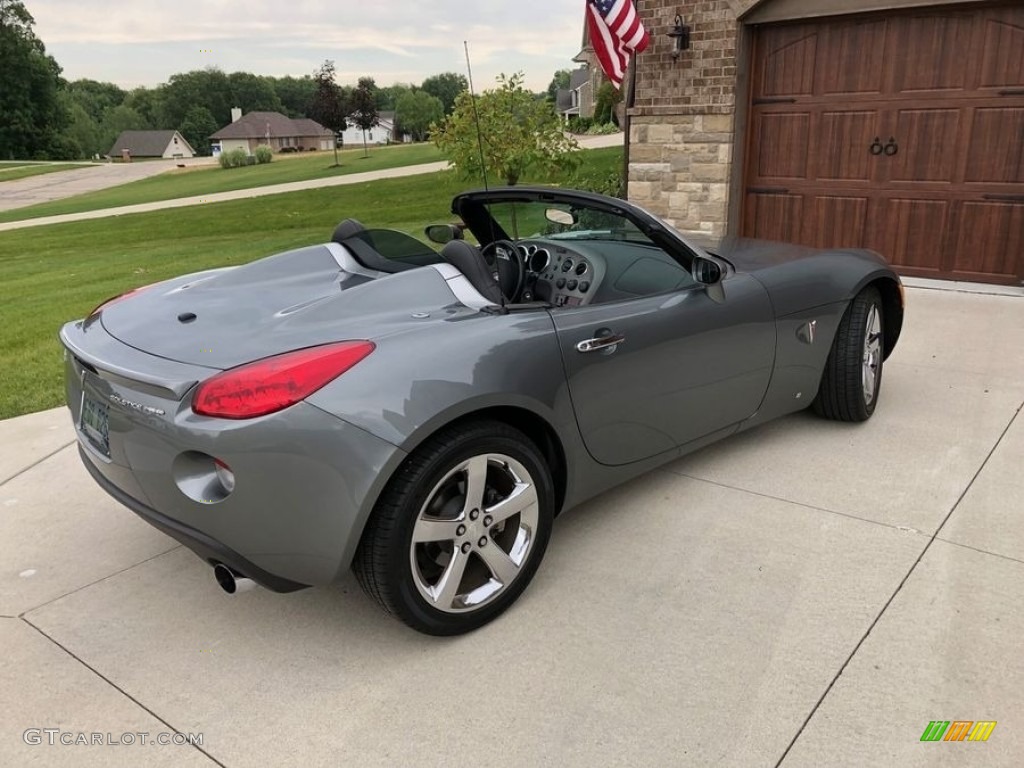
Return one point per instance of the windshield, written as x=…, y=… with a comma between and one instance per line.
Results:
x=562, y=221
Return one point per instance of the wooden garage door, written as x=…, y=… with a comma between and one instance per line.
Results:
x=901, y=132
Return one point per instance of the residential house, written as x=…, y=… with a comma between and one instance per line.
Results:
x=896, y=125
x=578, y=99
x=167, y=144
x=382, y=133
x=271, y=129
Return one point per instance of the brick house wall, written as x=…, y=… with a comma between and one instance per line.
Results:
x=682, y=123
x=688, y=121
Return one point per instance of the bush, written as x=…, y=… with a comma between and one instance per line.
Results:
x=602, y=130
x=236, y=158
x=264, y=154
x=579, y=124
x=611, y=183
x=286, y=150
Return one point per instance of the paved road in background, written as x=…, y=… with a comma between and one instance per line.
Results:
x=48, y=187
x=586, y=142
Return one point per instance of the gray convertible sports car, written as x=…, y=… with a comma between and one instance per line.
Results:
x=422, y=415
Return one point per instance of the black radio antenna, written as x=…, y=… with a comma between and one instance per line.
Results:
x=476, y=116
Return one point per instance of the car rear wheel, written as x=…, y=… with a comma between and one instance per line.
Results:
x=853, y=372
x=460, y=530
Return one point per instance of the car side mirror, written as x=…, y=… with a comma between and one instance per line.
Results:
x=558, y=216
x=705, y=271
x=443, y=233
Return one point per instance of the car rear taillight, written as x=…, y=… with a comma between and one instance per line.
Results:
x=115, y=299
x=274, y=383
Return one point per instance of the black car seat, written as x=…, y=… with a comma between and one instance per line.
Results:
x=470, y=261
x=356, y=238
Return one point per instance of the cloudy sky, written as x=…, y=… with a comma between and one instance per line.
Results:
x=144, y=42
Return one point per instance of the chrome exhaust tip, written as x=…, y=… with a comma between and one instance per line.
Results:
x=231, y=582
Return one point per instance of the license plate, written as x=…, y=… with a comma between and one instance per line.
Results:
x=95, y=424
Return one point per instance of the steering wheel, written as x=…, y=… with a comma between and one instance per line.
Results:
x=505, y=258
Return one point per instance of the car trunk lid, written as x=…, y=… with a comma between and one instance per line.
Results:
x=293, y=300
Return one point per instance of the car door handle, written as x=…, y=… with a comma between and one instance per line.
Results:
x=601, y=342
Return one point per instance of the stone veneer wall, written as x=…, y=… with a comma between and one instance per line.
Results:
x=682, y=123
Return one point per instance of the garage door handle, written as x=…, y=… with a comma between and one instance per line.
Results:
x=770, y=100
x=892, y=148
x=601, y=342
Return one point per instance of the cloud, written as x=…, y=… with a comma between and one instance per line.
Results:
x=386, y=38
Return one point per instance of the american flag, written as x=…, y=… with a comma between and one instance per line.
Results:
x=616, y=33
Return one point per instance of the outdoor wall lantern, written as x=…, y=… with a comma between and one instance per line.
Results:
x=680, y=35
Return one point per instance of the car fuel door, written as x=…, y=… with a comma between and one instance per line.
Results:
x=650, y=374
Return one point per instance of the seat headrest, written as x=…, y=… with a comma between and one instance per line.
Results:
x=347, y=229
x=468, y=259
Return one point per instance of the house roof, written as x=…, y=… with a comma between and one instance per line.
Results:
x=579, y=77
x=259, y=125
x=146, y=143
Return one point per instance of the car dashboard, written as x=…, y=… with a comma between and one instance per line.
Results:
x=565, y=275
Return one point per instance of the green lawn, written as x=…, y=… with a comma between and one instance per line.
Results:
x=25, y=170
x=52, y=274
x=208, y=180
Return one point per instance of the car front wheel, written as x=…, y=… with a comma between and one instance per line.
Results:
x=853, y=372
x=460, y=530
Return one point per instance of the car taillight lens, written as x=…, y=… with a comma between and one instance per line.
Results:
x=115, y=299
x=274, y=383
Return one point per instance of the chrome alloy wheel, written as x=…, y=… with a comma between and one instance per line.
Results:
x=872, y=353
x=475, y=533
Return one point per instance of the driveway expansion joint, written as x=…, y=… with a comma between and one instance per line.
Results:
x=119, y=689
x=934, y=537
x=804, y=505
x=35, y=464
x=25, y=613
x=979, y=551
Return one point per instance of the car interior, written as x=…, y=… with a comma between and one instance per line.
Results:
x=572, y=256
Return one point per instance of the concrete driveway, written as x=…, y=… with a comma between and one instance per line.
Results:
x=811, y=594
x=90, y=178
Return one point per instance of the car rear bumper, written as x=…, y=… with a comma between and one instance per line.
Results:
x=305, y=481
x=206, y=547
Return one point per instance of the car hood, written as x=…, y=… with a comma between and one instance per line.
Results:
x=297, y=299
x=750, y=255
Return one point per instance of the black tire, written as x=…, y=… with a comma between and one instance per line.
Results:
x=842, y=395
x=383, y=562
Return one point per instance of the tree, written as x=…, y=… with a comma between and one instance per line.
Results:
x=32, y=115
x=446, y=87
x=364, y=107
x=416, y=111
x=295, y=93
x=95, y=97
x=197, y=127
x=387, y=97
x=208, y=88
x=558, y=83
x=148, y=104
x=608, y=97
x=82, y=128
x=518, y=134
x=328, y=106
x=252, y=93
